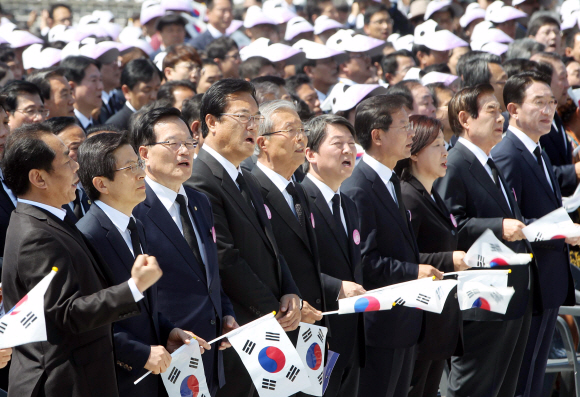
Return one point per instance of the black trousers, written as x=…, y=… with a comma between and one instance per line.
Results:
x=426, y=378
x=238, y=381
x=344, y=379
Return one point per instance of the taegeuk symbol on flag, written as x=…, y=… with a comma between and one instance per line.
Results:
x=488, y=251
x=310, y=348
x=185, y=377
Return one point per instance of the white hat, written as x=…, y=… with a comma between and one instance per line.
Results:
x=281, y=14
x=498, y=12
x=66, y=34
x=255, y=16
x=71, y=49
x=130, y=34
x=492, y=47
x=484, y=32
x=177, y=5
x=517, y=2
x=347, y=40
x=412, y=74
x=106, y=51
x=435, y=6
x=273, y=52
x=324, y=23
x=472, y=12
x=404, y=43
x=316, y=51
x=158, y=60
x=88, y=19
x=568, y=7
x=21, y=38
x=36, y=58
x=296, y=26
x=104, y=16
x=437, y=77
x=569, y=21
x=234, y=25
x=137, y=43
x=437, y=40
x=353, y=95
x=113, y=29
x=149, y=11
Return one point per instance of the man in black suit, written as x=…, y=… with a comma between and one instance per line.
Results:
x=140, y=81
x=556, y=143
x=281, y=144
x=7, y=197
x=388, y=246
x=479, y=198
x=254, y=273
x=331, y=155
x=82, y=301
x=114, y=177
x=23, y=103
x=220, y=16
x=179, y=228
x=529, y=172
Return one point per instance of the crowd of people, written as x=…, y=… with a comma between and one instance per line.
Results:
x=207, y=164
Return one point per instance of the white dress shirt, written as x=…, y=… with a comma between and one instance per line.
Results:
x=60, y=214
x=531, y=146
x=130, y=106
x=8, y=190
x=84, y=121
x=280, y=182
x=167, y=198
x=106, y=96
x=228, y=166
x=121, y=222
x=385, y=174
x=216, y=34
x=328, y=195
x=482, y=157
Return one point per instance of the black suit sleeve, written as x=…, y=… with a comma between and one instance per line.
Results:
x=331, y=288
x=566, y=176
x=129, y=350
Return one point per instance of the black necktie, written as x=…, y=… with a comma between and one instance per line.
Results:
x=297, y=205
x=397, y=185
x=187, y=227
x=494, y=174
x=538, y=153
x=134, y=238
x=77, y=206
x=244, y=189
x=336, y=211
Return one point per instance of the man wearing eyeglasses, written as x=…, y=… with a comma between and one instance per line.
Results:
x=179, y=230
x=254, y=274
x=23, y=104
x=114, y=175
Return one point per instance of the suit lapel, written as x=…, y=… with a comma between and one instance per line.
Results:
x=438, y=206
x=202, y=230
x=349, y=216
x=553, y=179
x=7, y=203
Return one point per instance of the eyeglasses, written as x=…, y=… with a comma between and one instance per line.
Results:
x=235, y=56
x=175, y=146
x=382, y=22
x=542, y=104
x=33, y=112
x=291, y=133
x=246, y=119
x=135, y=167
x=189, y=67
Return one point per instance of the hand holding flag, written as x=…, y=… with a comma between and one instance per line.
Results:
x=489, y=251
x=186, y=376
x=310, y=348
x=555, y=225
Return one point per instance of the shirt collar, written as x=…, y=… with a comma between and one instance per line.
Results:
x=384, y=172
x=81, y=117
x=526, y=140
x=476, y=150
x=120, y=220
x=216, y=34
x=326, y=191
x=346, y=81
x=58, y=212
x=130, y=106
x=106, y=96
x=165, y=195
x=228, y=166
x=277, y=179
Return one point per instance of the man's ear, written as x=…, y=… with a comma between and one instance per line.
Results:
x=512, y=108
x=37, y=178
x=144, y=152
x=261, y=144
x=376, y=136
x=308, y=71
x=126, y=91
x=100, y=185
x=463, y=117
x=196, y=129
x=211, y=122
x=309, y=154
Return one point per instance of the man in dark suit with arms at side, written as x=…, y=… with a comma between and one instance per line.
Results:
x=388, y=247
x=82, y=301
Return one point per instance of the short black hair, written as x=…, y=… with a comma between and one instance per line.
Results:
x=55, y=6
x=250, y=68
x=26, y=151
x=373, y=113
x=523, y=48
x=389, y=62
x=317, y=127
x=215, y=99
x=170, y=19
x=96, y=157
x=463, y=59
x=279, y=81
x=466, y=100
x=59, y=124
x=477, y=70
x=519, y=65
x=41, y=79
x=220, y=47
x=516, y=86
x=139, y=71
x=294, y=82
x=4, y=68
x=7, y=54
x=166, y=91
x=190, y=109
x=141, y=130
x=536, y=23
x=76, y=66
x=104, y=128
x=403, y=90
x=372, y=10
x=210, y=3
x=15, y=88
x=437, y=67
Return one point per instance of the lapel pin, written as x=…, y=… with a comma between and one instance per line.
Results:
x=268, y=211
x=90, y=202
x=356, y=237
x=195, y=208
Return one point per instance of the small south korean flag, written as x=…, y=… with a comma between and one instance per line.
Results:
x=270, y=358
x=310, y=348
x=24, y=323
x=185, y=376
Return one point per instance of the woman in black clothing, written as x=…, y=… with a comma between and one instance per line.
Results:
x=436, y=233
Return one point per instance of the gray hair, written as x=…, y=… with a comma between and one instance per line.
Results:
x=523, y=48
x=265, y=88
x=267, y=109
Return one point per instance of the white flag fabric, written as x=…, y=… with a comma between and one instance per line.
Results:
x=489, y=251
x=25, y=323
x=573, y=202
x=494, y=278
x=557, y=224
x=371, y=301
x=310, y=348
x=185, y=377
x=473, y=294
x=270, y=358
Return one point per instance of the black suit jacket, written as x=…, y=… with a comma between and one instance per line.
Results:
x=80, y=305
x=561, y=158
x=190, y=293
x=249, y=164
x=201, y=41
x=6, y=208
x=536, y=199
x=254, y=273
x=133, y=337
x=437, y=239
x=299, y=246
x=389, y=256
x=121, y=118
x=477, y=205
x=115, y=104
x=339, y=262
x=85, y=203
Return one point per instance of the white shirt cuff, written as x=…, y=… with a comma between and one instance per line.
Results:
x=137, y=295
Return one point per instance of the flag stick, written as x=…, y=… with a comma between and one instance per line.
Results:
x=498, y=271
x=332, y=312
